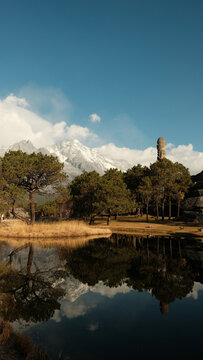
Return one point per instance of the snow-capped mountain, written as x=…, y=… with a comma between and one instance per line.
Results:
x=77, y=158
x=28, y=147
x=83, y=158
x=25, y=146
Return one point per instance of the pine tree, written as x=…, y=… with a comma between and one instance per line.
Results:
x=34, y=173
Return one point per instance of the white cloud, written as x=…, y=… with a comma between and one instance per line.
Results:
x=110, y=292
x=18, y=122
x=78, y=132
x=72, y=310
x=41, y=116
x=196, y=288
x=75, y=303
x=133, y=156
x=184, y=154
x=13, y=100
x=94, y=118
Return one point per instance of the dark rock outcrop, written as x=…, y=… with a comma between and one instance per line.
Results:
x=193, y=203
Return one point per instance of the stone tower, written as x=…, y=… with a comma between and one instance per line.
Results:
x=161, y=152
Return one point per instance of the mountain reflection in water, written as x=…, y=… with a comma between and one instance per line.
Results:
x=62, y=296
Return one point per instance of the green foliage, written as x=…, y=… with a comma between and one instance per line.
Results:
x=84, y=191
x=163, y=182
x=14, y=165
x=33, y=173
x=183, y=180
x=145, y=190
x=15, y=196
x=93, y=194
x=10, y=194
x=163, y=176
x=133, y=177
x=49, y=209
x=63, y=199
x=169, y=180
x=113, y=194
x=60, y=205
x=90, y=193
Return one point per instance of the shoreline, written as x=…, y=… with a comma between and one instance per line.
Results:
x=139, y=226
x=73, y=229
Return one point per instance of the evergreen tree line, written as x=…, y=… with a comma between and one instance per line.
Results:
x=90, y=194
x=116, y=193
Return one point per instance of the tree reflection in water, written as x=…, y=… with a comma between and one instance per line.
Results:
x=165, y=267
x=157, y=265
x=28, y=295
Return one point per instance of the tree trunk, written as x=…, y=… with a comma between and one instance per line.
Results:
x=13, y=209
x=30, y=259
x=108, y=220
x=169, y=208
x=147, y=212
x=171, y=249
x=16, y=251
x=32, y=207
x=179, y=246
x=178, y=213
x=91, y=220
x=162, y=207
x=60, y=210
x=115, y=216
x=157, y=210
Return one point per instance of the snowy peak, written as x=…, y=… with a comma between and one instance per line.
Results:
x=77, y=158
x=81, y=157
x=27, y=147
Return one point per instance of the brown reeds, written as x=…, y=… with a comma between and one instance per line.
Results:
x=56, y=230
x=20, y=343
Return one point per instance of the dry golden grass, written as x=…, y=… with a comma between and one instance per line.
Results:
x=5, y=331
x=20, y=343
x=57, y=230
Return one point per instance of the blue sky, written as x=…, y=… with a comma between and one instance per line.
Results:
x=137, y=64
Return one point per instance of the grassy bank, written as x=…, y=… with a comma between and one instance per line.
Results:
x=138, y=225
x=74, y=230
x=18, y=346
x=59, y=230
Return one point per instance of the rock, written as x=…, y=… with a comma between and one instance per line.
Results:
x=193, y=203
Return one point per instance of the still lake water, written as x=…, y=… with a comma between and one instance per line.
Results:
x=123, y=297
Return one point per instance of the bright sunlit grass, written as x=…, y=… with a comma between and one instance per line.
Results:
x=50, y=230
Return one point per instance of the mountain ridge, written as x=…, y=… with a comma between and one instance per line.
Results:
x=76, y=157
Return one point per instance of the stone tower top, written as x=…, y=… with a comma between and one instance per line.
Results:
x=161, y=152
